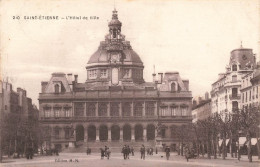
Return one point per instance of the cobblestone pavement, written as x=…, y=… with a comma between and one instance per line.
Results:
x=116, y=160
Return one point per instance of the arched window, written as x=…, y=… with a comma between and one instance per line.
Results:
x=56, y=88
x=173, y=87
x=234, y=67
x=57, y=132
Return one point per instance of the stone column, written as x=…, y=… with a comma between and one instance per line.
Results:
x=97, y=134
x=109, y=134
x=145, y=134
x=132, y=109
x=143, y=109
x=120, y=109
x=108, y=109
x=121, y=134
x=85, y=110
x=133, y=134
x=156, y=108
x=96, y=109
x=85, y=134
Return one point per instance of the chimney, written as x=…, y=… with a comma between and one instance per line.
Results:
x=186, y=84
x=154, y=77
x=44, y=84
x=160, y=75
x=76, y=78
x=70, y=78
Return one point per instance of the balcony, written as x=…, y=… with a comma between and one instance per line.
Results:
x=235, y=97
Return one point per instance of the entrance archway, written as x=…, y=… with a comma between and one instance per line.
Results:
x=138, y=132
x=103, y=133
x=127, y=133
x=91, y=133
x=79, y=133
x=150, y=132
x=115, y=133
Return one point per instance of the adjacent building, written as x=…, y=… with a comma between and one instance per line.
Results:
x=19, y=117
x=250, y=89
x=201, y=110
x=226, y=91
x=114, y=106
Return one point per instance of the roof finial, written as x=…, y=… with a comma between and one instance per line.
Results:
x=241, y=42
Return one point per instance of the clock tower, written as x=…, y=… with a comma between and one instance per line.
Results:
x=115, y=62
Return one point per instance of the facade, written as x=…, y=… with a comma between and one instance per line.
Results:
x=250, y=89
x=226, y=93
x=202, y=109
x=114, y=106
x=19, y=117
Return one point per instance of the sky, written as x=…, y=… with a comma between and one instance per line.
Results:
x=194, y=37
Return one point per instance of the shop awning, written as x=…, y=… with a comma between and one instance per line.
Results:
x=220, y=142
x=227, y=140
x=242, y=140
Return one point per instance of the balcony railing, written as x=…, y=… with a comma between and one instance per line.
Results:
x=235, y=97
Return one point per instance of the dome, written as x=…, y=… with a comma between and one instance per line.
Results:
x=102, y=56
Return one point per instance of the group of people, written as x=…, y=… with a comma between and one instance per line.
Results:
x=105, y=152
x=126, y=150
x=149, y=151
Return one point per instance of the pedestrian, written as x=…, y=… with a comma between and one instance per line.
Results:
x=102, y=153
x=156, y=151
x=128, y=151
x=142, y=150
x=108, y=152
x=187, y=152
x=132, y=151
x=167, y=151
x=124, y=150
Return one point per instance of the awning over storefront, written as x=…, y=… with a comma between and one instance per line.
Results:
x=227, y=140
x=242, y=140
x=220, y=142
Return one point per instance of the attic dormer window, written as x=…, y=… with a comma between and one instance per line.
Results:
x=234, y=67
x=56, y=88
x=173, y=87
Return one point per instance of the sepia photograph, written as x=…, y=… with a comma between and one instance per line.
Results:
x=133, y=83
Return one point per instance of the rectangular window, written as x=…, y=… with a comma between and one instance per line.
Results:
x=126, y=73
x=173, y=111
x=164, y=111
x=56, y=112
x=103, y=73
x=79, y=109
x=92, y=74
x=67, y=112
x=67, y=133
x=47, y=113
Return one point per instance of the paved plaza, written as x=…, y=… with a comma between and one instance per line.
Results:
x=116, y=160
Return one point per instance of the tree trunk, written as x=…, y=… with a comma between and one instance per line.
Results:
x=249, y=149
x=198, y=148
x=231, y=146
x=258, y=146
x=203, y=149
x=224, y=148
x=208, y=149
x=181, y=148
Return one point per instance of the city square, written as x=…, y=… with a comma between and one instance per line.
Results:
x=92, y=92
x=116, y=160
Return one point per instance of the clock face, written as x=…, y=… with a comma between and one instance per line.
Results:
x=115, y=57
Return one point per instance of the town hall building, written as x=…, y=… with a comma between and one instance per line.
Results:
x=114, y=106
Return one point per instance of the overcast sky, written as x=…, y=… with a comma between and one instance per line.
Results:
x=194, y=37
